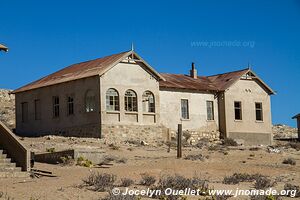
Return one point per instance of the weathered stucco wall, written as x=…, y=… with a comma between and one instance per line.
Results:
x=81, y=124
x=123, y=125
x=253, y=132
x=170, y=112
x=132, y=76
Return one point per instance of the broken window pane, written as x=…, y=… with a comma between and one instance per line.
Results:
x=90, y=101
x=259, y=111
x=130, y=101
x=184, y=109
x=238, y=110
x=55, y=100
x=148, y=102
x=70, y=105
x=210, y=110
x=112, y=100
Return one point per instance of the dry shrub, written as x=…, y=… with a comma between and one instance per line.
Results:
x=229, y=142
x=289, y=161
x=111, y=158
x=254, y=149
x=81, y=161
x=295, y=145
x=100, y=182
x=240, y=177
x=178, y=182
x=67, y=161
x=262, y=197
x=202, y=143
x=291, y=187
x=262, y=183
x=121, y=160
x=133, y=142
x=120, y=197
x=113, y=147
x=196, y=157
x=126, y=182
x=147, y=179
x=50, y=150
x=187, y=135
x=215, y=148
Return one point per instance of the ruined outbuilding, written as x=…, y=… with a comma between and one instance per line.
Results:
x=122, y=97
x=297, y=117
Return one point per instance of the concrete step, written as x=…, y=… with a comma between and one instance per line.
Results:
x=5, y=160
x=14, y=174
x=10, y=169
x=3, y=156
x=7, y=165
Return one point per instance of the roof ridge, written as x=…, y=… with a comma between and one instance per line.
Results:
x=229, y=72
x=98, y=58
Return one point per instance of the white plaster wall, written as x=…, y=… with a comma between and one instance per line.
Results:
x=170, y=110
x=48, y=124
x=124, y=76
x=240, y=92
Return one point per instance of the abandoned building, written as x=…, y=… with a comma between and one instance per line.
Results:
x=297, y=117
x=122, y=97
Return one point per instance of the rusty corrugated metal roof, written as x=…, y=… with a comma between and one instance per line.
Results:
x=219, y=82
x=225, y=80
x=75, y=71
x=185, y=82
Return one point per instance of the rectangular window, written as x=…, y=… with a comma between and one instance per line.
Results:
x=37, y=109
x=55, y=106
x=184, y=109
x=210, y=110
x=24, y=109
x=70, y=105
x=259, y=111
x=238, y=110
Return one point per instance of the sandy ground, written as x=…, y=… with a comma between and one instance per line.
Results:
x=154, y=160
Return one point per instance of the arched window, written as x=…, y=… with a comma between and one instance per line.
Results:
x=90, y=101
x=148, y=102
x=130, y=101
x=112, y=100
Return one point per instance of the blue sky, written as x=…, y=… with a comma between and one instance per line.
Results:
x=44, y=36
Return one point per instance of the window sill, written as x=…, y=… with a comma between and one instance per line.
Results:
x=238, y=120
x=259, y=121
x=90, y=111
x=131, y=112
x=185, y=119
x=210, y=120
x=113, y=112
x=149, y=113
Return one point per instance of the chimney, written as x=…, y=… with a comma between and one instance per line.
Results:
x=193, y=71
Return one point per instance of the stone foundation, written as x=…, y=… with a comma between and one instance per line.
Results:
x=193, y=137
x=121, y=133
x=152, y=134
